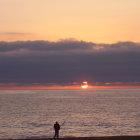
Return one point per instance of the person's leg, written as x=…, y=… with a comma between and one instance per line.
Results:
x=57, y=134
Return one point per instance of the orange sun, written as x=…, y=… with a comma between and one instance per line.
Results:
x=84, y=85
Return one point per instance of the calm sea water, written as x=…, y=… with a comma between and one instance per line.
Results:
x=96, y=112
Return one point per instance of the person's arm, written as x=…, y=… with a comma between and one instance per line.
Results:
x=59, y=127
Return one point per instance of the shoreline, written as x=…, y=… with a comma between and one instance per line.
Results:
x=86, y=138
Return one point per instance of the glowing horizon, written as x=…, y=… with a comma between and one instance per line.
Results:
x=20, y=86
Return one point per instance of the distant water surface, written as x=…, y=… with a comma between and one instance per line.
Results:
x=96, y=112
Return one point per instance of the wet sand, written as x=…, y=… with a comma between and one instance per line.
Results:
x=89, y=138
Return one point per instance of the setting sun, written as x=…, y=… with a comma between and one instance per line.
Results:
x=84, y=85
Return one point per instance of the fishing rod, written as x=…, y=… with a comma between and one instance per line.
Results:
x=63, y=123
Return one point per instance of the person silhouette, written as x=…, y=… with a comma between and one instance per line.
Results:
x=56, y=128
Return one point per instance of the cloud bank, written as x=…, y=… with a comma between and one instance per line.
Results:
x=68, y=61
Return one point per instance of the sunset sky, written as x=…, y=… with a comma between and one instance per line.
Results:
x=100, y=21
x=48, y=43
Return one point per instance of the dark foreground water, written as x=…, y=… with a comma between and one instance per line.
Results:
x=96, y=112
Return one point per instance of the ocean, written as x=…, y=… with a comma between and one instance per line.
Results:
x=80, y=112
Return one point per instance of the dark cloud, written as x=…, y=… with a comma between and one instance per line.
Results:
x=68, y=61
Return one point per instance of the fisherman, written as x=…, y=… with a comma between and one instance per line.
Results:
x=56, y=128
